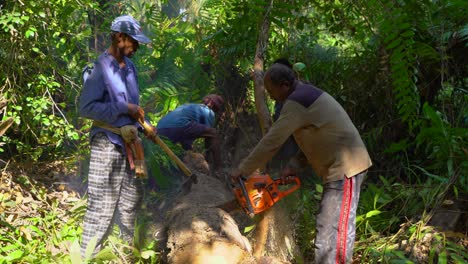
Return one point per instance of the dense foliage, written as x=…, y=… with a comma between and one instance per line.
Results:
x=398, y=67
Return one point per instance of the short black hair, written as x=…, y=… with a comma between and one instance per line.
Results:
x=279, y=72
x=284, y=61
x=113, y=35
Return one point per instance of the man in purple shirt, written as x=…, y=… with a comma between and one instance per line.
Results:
x=110, y=97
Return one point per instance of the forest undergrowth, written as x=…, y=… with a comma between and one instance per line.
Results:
x=397, y=67
x=42, y=207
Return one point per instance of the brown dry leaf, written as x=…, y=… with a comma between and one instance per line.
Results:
x=6, y=196
x=448, y=202
x=73, y=194
x=73, y=199
x=65, y=246
x=26, y=232
x=3, y=186
x=24, y=208
x=19, y=197
x=27, y=199
x=9, y=219
x=452, y=234
x=52, y=249
x=64, y=196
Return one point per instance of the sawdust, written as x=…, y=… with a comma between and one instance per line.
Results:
x=199, y=232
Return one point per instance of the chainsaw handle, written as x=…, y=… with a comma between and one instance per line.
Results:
x=287, y=181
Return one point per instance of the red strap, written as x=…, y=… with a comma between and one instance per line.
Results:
x=129, y=151
x=343, y=221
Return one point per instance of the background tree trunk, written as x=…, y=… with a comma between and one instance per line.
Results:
x=262, y=43
x=273, y=227
x=100, y=40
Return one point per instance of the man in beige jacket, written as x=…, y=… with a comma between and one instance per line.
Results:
x=332, y=146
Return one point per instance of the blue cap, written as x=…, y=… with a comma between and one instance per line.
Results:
x=128, y=25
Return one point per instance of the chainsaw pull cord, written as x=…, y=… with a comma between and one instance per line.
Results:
x=133, y=146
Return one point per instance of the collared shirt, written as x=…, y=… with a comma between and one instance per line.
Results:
x=323, y=131
x=186, y=114
x=106, y=93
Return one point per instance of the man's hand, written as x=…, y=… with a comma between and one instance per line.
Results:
x=151, y=134
x=235, y=174
x=129, y=133
x=136, y=112
x=287, y=172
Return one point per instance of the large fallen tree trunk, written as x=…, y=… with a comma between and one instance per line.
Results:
x=199, y=232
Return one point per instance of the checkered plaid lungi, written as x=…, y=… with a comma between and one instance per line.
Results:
x=114, y=193
x=336, y=220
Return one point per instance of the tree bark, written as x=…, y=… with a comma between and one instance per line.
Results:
x=263, y=114
x=100, y=40
x=259, y=88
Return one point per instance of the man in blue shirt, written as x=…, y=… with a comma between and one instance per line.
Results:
x=188, y=122
x=110, y=97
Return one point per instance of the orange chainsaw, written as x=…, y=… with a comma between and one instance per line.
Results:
x=259, y=192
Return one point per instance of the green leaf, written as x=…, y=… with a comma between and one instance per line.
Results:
x=148, y=254
x=394, y=43
x=407, y=33
x=75, y=255
x=402, y=145
x=299, y=66
x=249, y=228
x=437, y=177
x=29, y=33
x=457, y=258
x=401, y=261
x=319, y=188
x=384, y=180
x=91, y=247
x=390, y=37
x=455, y=191
x=403, y=26
x=105, y=255
x=15, y=255
x=373, y=213
x=9, y=247
x=450, y=167
x=359, y=218
x=443, y=257
x=37, y=230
